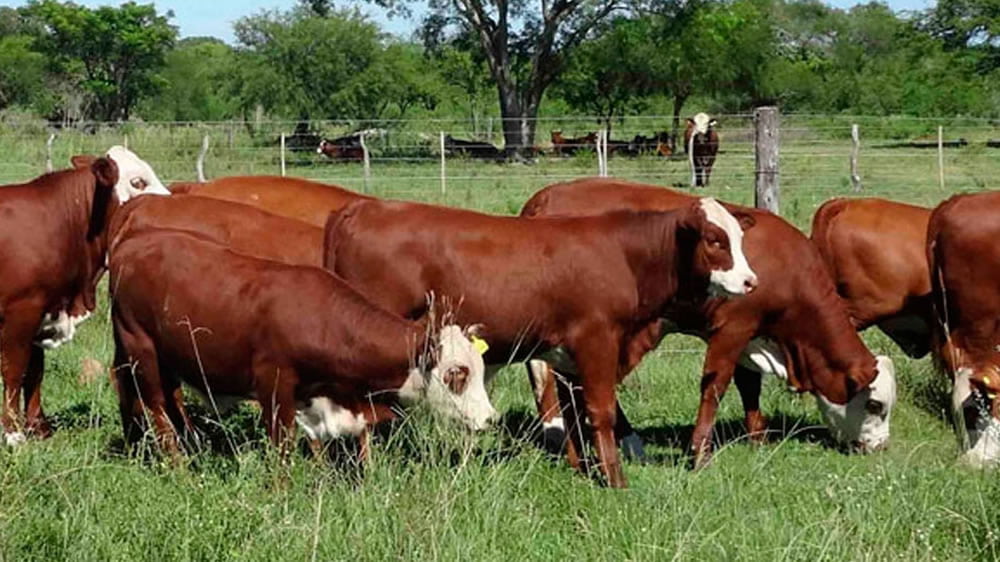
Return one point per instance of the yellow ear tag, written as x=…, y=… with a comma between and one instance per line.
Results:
x=480, y=345
x=986, y=380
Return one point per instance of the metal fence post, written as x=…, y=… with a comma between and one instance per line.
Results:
x=767, y=124
x=855, y=149
x=200, y=164
x=282, y=154
x=443, y=181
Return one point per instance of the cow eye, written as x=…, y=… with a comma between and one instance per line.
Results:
x=456, y=378
x=874, y=407
x=138, y=183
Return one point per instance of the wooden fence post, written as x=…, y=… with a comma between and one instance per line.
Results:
x=941, y=155
x=282, y=154
x=767, y=124
x=443, y=181
x=367, y=163
x=200, y=164
x=48, y=152
x=856, y=140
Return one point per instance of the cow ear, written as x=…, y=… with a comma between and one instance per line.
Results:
x=81, y=161
x=713, y=123
x=691, y=121
x=746, y=220
x=474, y=331
x=106, y=171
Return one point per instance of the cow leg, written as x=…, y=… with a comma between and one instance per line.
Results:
x=724, y=350
x=276, y=393
x=748, y=384
x=16, y=337
x=597, y=360
x=629, y=441
x=126, y=384
x=543, y=383
x=144, y=375
x=37, y=424
x=176, y=411
x=571, y=402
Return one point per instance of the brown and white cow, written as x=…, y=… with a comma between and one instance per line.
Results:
x=295, y=198
x=964, y=263
x=574, y=290
x=875, y=250
x=701, y=144
x=793, y=326
x=53, y=237
x=297, y=339
x=242, y=228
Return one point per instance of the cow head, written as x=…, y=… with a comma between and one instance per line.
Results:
x=863, y=422
x=976, y=409
x=135, y=176
x=702, y=123
x=453, y=379
x=718, y=252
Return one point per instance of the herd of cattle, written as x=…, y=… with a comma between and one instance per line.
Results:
x=701, y=144
x=333, y=309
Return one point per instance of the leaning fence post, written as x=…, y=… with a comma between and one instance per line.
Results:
x=767, y=124
x=443, y=181
x=48, y=152
x=941, y=155
x=367, y=163
x=282, y=154
x=125, y=141
x=856, y=140
x=200, y=164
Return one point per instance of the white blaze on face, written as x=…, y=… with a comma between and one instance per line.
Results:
x=324, y=420
x=864, y=421
x=701, y=123
x=58, y=330
x=471, y=405
x=981, y=442
x=739, y=278
x=135, y=176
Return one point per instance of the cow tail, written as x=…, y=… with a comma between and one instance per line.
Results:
x=333, y=233
x=822, y=227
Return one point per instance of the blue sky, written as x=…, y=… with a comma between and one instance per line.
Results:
x=216, y=17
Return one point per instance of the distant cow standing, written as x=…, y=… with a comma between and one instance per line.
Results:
x=345, y=149
x=701, y=144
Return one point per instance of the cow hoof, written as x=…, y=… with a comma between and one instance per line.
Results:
x=41, y=429
x=15, y=438
x=632, y=447
x=702, y=461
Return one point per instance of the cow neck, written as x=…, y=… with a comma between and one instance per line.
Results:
x=826, y=354
x=655, y=251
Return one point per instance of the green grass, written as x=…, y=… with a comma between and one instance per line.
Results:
x=433, y=492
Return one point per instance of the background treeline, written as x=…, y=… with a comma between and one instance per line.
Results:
x=67, y=63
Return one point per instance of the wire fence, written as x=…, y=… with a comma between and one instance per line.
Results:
x=897, y=157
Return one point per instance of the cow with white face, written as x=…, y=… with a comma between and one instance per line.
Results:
x=729, y=272
x=701, y=143
x=136, y=177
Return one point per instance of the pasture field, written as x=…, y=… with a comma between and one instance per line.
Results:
x=433, y=492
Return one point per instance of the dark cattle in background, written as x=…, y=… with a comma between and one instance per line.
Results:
x=346, y=148
x=793, y=325
x=964, y=262
x=53, y=242
x=473, y=149
x=294, y=338
x=295, y=198
x=569, y=146
x=661, y=143
x=701, y=143
x=876, y=253
x=522, y=278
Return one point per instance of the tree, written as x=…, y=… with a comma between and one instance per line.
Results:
x=112, y=53
x=525, y=46
x=195, y=83
x=22, y=71
x=611, y=74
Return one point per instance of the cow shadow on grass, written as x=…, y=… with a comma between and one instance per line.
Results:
x=81, y=415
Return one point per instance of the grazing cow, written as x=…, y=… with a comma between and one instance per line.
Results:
x=294, y=338
x=569, y=146
x=876, y=252
x=242, y=228
x=701, y=143
x=793, y=326
x=473, y=149
x=295, y=198
x=523, y=279
x=964, y=263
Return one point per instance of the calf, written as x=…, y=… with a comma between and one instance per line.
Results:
x=701, y=144
x=242, y=228
x=569, y=146
x=295, y=198
x=185, y=309
x=794, y=326
x=634, y=264
x=876, y=252
x=964, y=263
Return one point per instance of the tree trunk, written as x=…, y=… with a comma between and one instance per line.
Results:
x=679, y=100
